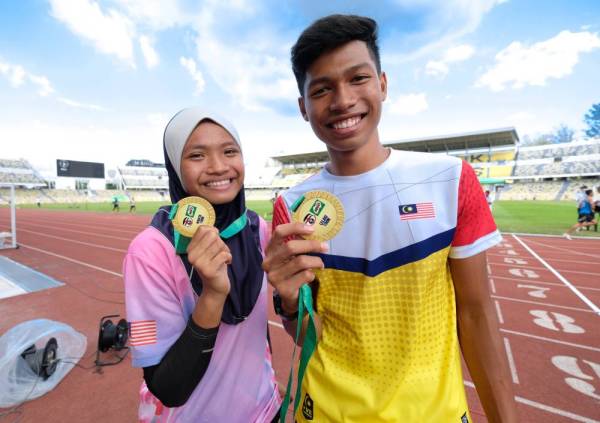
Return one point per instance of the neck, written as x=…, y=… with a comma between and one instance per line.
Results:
x=360, y=160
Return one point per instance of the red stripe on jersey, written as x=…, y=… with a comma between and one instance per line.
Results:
x=474, y=218
x=280, y=213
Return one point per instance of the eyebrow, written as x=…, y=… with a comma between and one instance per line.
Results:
x=351, y=69
x=226, y=143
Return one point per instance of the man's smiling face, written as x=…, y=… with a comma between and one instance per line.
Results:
x=343, y=95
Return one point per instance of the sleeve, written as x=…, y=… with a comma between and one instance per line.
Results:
x=475, y=227
x=182, y=368
x=280, y=213
x=154, y=311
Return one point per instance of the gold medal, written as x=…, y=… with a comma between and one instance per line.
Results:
x=322, y=210
x=193, y=212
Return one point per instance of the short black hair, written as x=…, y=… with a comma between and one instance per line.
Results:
x=328, y=33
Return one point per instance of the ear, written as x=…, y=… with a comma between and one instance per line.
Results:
x=383, y=85
x=302, y=108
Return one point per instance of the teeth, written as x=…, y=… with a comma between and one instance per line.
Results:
x=346, y=123
x=218, y=183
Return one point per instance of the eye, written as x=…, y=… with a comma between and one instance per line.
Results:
x=230, y=152
x=361, y=78
x=319, y=92
x=196, y=155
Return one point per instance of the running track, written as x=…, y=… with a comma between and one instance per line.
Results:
x=546, y=292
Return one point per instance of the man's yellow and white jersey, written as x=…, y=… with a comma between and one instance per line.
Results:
x=389, y=349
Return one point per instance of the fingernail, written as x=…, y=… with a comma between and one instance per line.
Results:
x=309, y=228
x=324, y=247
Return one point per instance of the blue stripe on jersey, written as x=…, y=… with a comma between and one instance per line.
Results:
x=390, y=260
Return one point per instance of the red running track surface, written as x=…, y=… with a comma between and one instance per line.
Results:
x=546, y=292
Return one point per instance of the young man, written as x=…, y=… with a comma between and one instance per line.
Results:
x=404, y=283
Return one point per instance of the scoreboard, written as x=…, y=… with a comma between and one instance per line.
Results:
x=75, y=169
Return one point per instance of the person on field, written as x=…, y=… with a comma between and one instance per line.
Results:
x=403, y=288
x=199, y=318
x=586, y=214
x=115, y=203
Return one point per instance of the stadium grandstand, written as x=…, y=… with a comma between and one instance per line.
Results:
x=143, y=175
x=512, y=171
x=20, y=173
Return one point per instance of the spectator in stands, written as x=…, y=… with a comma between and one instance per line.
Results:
x=586, y=214
x=38, y=201
x=115, y=203
x=396, y=309
x=131, y=204
x=207, y=357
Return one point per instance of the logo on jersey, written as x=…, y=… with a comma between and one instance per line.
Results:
x=416, y=211
x=307, y=407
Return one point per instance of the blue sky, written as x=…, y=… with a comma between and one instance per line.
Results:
x=98, y=80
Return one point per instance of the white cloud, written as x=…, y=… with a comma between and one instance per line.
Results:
x=155, y=14
x=436, y=68
x=78, y=105
x=190, y=65
x=409, y=104
x=17, y=76
x=110, y=32
x=14, y=73
x=150, y=54
x=253, y=68
x=445, y=22
x=518, y=65
x=440, y=68
x=44, y=87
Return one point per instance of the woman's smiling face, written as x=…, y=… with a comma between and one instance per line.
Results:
x=212, y=166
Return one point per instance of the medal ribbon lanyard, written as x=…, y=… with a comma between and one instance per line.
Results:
x=305, y=301
x=181, y=242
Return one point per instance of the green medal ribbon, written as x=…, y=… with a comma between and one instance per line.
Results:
x=305, y=301
x=181, y=242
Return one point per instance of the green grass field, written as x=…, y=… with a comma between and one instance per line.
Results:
x=540, y=217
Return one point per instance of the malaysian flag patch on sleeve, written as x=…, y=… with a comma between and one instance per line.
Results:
x=142, y=332
x=416, y=211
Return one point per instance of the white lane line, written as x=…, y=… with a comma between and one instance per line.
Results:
x=542, y=304
x=71, y=260
x=513, y=265
x=489, y=269
x=94, y=224
x=555, y=341
x=547, y=408
x=277, y=325
x=74, y=241
x=511, y=361
x=582, y=297
x=499, y=312
x=562, y=285
x=493, y=285
x=75, y=231
x=574, y=252
x=547, y=258
x=555, y=410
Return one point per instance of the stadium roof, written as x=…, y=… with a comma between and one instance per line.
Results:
x=465, y=141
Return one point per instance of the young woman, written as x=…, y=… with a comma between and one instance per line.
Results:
x=198, y=319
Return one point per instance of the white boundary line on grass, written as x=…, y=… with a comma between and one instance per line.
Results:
x=582, y=297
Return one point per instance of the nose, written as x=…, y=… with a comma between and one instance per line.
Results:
x=344, y=98
x=217, y=164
